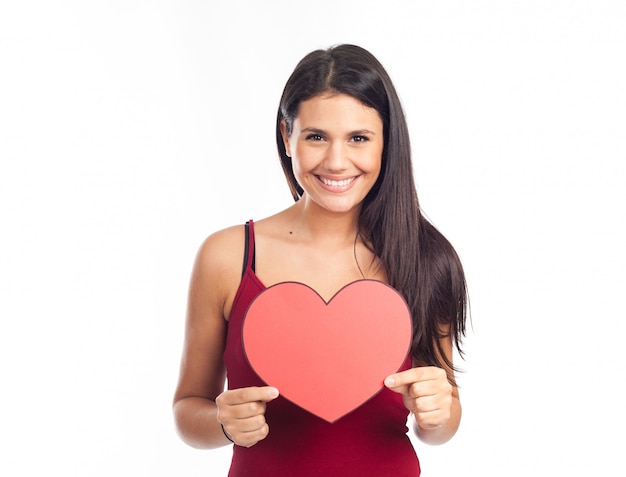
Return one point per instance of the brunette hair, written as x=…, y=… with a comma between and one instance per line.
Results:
x=419, y=261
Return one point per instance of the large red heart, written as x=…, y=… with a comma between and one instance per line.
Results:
x=328, y=358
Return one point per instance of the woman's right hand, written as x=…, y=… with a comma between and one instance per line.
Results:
x=242, y=413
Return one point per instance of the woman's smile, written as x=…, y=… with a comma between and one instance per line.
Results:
x=337, y=185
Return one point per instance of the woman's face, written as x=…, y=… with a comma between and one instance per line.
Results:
x=336, y=148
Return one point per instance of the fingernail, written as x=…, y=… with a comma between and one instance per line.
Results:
x=273, y=393
x=390, y=381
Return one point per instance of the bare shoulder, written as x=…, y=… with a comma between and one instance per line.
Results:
x=220, y=249
x=218, y=266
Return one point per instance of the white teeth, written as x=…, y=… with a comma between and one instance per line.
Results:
x=332, y=183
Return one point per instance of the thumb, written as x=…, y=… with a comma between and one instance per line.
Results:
x=270, y=393
x=396, y=385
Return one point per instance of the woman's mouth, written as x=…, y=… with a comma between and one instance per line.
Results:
x=336, y=183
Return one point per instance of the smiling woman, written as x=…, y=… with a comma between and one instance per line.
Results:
x=344, y=147
x=335, y=146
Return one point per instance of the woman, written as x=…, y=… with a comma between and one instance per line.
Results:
x=344, y=148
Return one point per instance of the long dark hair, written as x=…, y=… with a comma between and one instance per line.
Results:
x=419, y=261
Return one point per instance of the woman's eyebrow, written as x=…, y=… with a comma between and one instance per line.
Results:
x=358, y=132
x=314, y=130
x=362, y=132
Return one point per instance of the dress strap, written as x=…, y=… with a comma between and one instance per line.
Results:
x=249, y=251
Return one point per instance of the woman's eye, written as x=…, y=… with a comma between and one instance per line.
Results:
x=360, y=138
x=314, y=137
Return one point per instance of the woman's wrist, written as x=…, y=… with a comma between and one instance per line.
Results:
x=228, y=436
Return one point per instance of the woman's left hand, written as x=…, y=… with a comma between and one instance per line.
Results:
x=426, y=392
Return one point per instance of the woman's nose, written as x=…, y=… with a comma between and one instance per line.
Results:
x=337, y=157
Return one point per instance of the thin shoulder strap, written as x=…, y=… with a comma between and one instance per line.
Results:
x=249, y=251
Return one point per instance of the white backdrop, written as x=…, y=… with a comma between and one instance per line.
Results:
x=130, y=130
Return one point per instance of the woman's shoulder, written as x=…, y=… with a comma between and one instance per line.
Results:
x=221, y=248
x=220, y=256
x=217, y=267
x=224, y=236
x=228, y=244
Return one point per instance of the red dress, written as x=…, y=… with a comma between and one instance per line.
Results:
x=372, y=440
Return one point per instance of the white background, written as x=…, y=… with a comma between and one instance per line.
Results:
x=130, y=130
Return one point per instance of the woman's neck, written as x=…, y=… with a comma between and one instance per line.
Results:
x=311, y=222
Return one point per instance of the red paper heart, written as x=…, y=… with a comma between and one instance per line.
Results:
x=328, y=358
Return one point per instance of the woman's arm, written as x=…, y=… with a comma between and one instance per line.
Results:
x=201, y=406
x=202, y=373
x=431, y=397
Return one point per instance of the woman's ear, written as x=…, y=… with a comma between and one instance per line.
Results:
x=283, y=133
